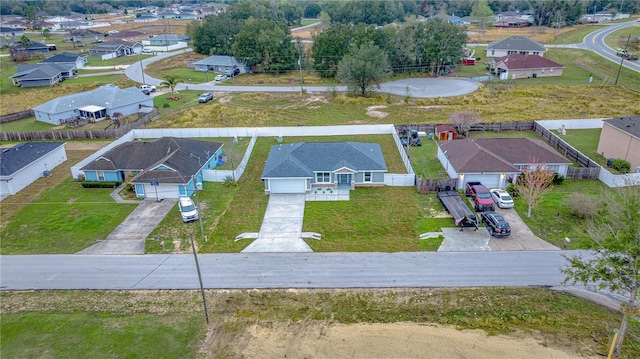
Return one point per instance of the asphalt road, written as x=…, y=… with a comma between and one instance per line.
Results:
x=284, y=270
x=595, y=42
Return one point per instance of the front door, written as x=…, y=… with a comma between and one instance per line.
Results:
x=344, y=178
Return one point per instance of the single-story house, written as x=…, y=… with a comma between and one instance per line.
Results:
x=31, y=48
x=178, y=15
x=515, y=45
x=24, y=163
x=146, y=17
x=298, y=167
x=93, y=105
x=511, y=22
x=116, y=47
x=168, y=39
x=162, y=168
x=85, y=36
x=495, y=161
x=67, y=58
x=34, y=75
x=446, y=133
x=620, y=138
x=517, y=66
x=219, y=63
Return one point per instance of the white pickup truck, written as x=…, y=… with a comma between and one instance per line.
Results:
x=148, y=87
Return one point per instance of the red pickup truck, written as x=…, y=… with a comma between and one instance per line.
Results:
x=482, y=200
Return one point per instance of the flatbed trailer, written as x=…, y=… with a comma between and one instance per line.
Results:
x=455, y=205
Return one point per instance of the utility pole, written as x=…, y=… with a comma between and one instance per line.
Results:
x=622, y=58
x=141, y=68
x=204, y=238
x=204, y=298
x=300, y=66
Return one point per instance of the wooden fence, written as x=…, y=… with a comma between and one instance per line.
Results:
x=425, y=186
x=498, y=126
x=79, y=134
x=16, y=116
x=589, y=169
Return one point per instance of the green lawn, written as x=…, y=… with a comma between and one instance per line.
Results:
x=123, y=60
x=26, y=125
x=185, y=75
x=553, y=219
x=425, y=161
x=121, y=80
x=577, y=34
x=306, y=22
x=618, y=39
x=65, y=219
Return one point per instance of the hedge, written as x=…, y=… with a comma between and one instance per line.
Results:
x=100, y=184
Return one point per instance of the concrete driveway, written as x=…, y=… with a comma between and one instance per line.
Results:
x=281, y=229
x=130, y=235
x=521, y=238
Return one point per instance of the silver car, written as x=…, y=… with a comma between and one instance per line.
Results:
x=502, y=198
x=188, y=210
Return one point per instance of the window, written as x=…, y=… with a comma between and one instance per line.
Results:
x=100, y=175
x=542, y=71
x=367, y=177
x=323, y=177
x=551, y=70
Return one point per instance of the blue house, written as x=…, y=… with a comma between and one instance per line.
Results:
x=162, y=168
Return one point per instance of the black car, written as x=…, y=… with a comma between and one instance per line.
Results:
x=496, y=224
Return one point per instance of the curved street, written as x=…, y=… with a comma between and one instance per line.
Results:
x=594, y=41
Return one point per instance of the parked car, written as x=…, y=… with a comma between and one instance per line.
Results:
x=205, y=97
x=496, y=224
x=220, y=77
x=146, y=92
x=147, y=51
x=482, y=200
x=502, y=198
x=234, y=72
x=188, y=210
x=151, y=88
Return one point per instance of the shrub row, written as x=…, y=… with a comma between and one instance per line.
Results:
x=100, y=184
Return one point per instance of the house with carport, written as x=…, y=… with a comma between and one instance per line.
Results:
x=496, y=161
x=24, y=163
x=300, y=167
x=620, y=138
x=167, y=167
x=94, y=105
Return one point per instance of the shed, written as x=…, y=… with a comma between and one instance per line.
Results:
x=446, y=132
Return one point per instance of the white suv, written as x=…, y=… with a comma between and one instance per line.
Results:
x=188, y=210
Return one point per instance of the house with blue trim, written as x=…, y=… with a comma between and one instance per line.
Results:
x=162, y=168
x=300, y=167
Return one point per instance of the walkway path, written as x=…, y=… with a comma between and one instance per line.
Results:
x=281, y=229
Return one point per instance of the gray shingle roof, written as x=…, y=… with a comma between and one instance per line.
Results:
x=630, y=125
x=62, y=57
x=106, y=96
x=305, y=158
x=41, y=71
x=516, y=43
x=218, y=60
x=21, y=155
x=498, y=154
x=183, y=156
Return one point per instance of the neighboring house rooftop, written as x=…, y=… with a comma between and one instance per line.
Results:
x=630, y=125
x=305, y=158
x=21, y=155
x=108, y=96
x=516, y=43
x=126, y=34
x=522, y=61
x=498, y=154
x=218, y=60
x=85, y=33
x=166, y=160
x=41, y=71
x=65, y=57
x=169, y=37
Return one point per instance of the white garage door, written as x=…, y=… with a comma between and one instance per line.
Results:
x=288, y=185
x=489, y=181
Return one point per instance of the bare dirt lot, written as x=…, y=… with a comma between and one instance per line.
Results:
x=393, y=340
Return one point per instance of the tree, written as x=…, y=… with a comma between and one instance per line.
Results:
x=463, y=121
x=170, y=82
x=363, y=68
x=483, y=14
x=31, y=13
x=533, y=183
x=615, y=264
x=46, y=33
x=214, y=35
x=312, y=10
x=265, y=43
x=24, y=41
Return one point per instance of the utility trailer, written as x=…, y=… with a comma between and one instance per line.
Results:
x=461, y=213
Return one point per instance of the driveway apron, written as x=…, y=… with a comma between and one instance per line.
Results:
x=281, y=229
x=521, y=238
x=130, y=235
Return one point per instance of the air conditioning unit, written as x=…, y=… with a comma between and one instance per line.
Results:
x=638, y=169
x=48, y=173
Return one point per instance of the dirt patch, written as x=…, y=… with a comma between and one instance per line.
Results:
x=397, y=340
x=85, y=146
x=435, y=107
x=372, y=111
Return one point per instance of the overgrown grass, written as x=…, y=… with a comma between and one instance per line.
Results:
x=103, y=324
x=425, y=161
x=123, y=60
x=575, y=34
x=64, y=219
x=618, y=39
x=553, y=219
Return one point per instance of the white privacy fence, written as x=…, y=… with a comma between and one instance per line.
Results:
x=255, y=132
